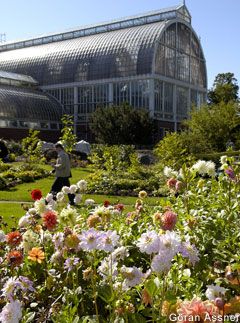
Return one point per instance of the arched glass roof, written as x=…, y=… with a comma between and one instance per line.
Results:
x=126, y=48
x=120, y=53
x=25, y=104
x=179, y=11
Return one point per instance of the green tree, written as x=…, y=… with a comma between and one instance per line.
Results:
x=209, y=129
x=122, y=125
x=225, y=88
x=32, y=147
x=68, y=138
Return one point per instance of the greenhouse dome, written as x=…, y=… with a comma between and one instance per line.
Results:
x=24, y=108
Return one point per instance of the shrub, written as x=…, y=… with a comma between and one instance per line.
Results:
x=3, y=183
x=22, y=174
x=32, y=147
x=11, y=157
x=29, y=176
x=15, y=147
x=116, y=157
x=4, y=166
x=117, y=171
x=172, y=151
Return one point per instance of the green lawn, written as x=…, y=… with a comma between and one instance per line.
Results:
x=11, y=212
x=10, y=200
x=22, y=192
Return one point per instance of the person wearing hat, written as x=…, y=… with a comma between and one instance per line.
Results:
x=62, y=170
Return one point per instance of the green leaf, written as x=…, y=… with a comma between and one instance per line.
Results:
x=136, y=318
x=76, y=320
x=105, y=293
x=151, y=287
x=29, y=317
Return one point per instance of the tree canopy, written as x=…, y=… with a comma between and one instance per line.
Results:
x=225, y=89
x=122, y=125
x=209, y=129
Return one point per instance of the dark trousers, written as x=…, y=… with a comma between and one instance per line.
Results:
x=58, y=185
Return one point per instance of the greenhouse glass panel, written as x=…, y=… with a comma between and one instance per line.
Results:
x=183, y=66
x=194, y=98
x=182, y=102
x=170, y=59
x=168, y=101
x=158, y=97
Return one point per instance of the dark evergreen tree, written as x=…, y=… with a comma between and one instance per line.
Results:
x=122, y=125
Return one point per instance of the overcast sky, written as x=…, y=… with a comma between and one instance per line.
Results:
x=216, y=22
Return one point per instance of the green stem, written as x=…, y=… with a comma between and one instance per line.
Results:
x=229, y=195
x=93, y=281
x=162, y=296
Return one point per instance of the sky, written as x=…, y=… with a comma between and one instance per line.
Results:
x=216, y=22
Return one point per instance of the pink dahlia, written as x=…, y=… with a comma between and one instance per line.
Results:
x=198, y=310
x=168, y=220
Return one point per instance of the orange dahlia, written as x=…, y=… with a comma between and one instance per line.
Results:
x=14, y=238
x=36, y=254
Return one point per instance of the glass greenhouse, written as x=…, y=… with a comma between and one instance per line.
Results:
x=27, y=108
x=153, y=61
x=22, y=106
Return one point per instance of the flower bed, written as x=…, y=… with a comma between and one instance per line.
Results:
x=12, y=175
x=178, y=261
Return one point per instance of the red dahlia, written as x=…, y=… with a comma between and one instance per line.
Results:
x=14, y=238
x=36, y=194
x=106, y=203
x=15, y=258
x=50, y=220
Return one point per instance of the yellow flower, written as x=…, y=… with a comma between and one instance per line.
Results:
x=36, y=254
x=38, y=228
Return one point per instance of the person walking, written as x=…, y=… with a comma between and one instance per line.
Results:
x=62, y=170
